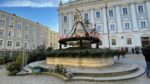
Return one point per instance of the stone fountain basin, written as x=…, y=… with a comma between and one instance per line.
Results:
x=80, y=62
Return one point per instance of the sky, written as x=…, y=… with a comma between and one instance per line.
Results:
x=42, y=11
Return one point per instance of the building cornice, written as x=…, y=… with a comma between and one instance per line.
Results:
x=83, y=5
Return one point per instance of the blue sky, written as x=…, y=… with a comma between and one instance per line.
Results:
x=42, y=11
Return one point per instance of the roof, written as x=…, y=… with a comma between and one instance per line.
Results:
x=23, y=18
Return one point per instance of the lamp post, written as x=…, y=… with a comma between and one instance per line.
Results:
x=106, y=7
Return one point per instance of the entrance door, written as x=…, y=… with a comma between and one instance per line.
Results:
x=145, y=41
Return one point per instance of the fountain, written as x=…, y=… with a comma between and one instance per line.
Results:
x=80, y=52
x=85, y=62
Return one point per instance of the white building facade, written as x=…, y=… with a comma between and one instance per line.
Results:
x=18, y=33
x=120, y=23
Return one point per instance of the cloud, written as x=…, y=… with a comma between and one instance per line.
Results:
x=30, y=3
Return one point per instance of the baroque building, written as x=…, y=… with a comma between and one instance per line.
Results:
x=120, y=23
x=19, y=33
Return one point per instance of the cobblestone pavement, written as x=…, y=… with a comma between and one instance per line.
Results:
x=41, y=79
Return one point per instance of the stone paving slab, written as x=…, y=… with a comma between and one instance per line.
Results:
x=138, y=59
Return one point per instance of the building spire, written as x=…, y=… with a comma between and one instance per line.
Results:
x=60, y=2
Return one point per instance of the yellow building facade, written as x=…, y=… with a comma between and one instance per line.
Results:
x=53, y=39
x=19, y=33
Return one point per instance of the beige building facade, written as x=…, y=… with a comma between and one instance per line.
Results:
x=19, y=33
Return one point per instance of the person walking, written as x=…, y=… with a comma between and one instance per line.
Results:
x=118, y=54
x=133, y=51
x=126, y=50
x=146, y=53
x=137, y=50
x=123, y=52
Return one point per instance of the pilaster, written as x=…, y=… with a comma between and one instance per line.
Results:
x=70, y=21
x=120, y=29
x=134, y=19
x=92, y=17
x=148, y=13
x=104, y=20
x=60, y=24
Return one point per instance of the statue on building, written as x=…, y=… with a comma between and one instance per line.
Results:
x=78, y=16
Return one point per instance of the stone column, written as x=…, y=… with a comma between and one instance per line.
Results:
x=120, y=29
x=134, y=19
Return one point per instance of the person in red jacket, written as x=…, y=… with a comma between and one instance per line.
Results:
x=123, y=52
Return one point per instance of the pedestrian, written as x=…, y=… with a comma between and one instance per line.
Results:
x=146, y=53
x=123, y=52
x=133, y=50
x=118, y=53
x=126, y=49
x=137, y=50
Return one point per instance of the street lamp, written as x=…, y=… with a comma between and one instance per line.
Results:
x=106, y=7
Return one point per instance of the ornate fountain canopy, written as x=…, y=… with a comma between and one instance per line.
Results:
x=79, y=35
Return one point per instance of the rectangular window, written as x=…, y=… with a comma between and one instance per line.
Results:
x=65, y=31
x=17, y=44
x=19, y=26
x=97, y=14
x=143, y=24
x=33, y=46
x=127, y=26
x=18, y=35
x=125, y=11
x=9, y=44
x=2, y=22
x=140, y=9
x=10, y=34
x=11, y=24
x=26, y=36
x=86, y=16
x=26, y=45
x=129, y=41
x=26, y=28
x=113, y=41
x=65, y=45
x=65, y=18
x=1, y=33
x=1, y=43
x=110, y=13
x=112, y=27
x=100, y=42
x=99, y=28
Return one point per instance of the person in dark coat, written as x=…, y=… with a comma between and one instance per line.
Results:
x=118, y=54
x=146, y=53
x=137, y=50
x=127, y=50
x=133, y=50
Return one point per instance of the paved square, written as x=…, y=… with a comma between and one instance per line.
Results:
x=42, y=79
